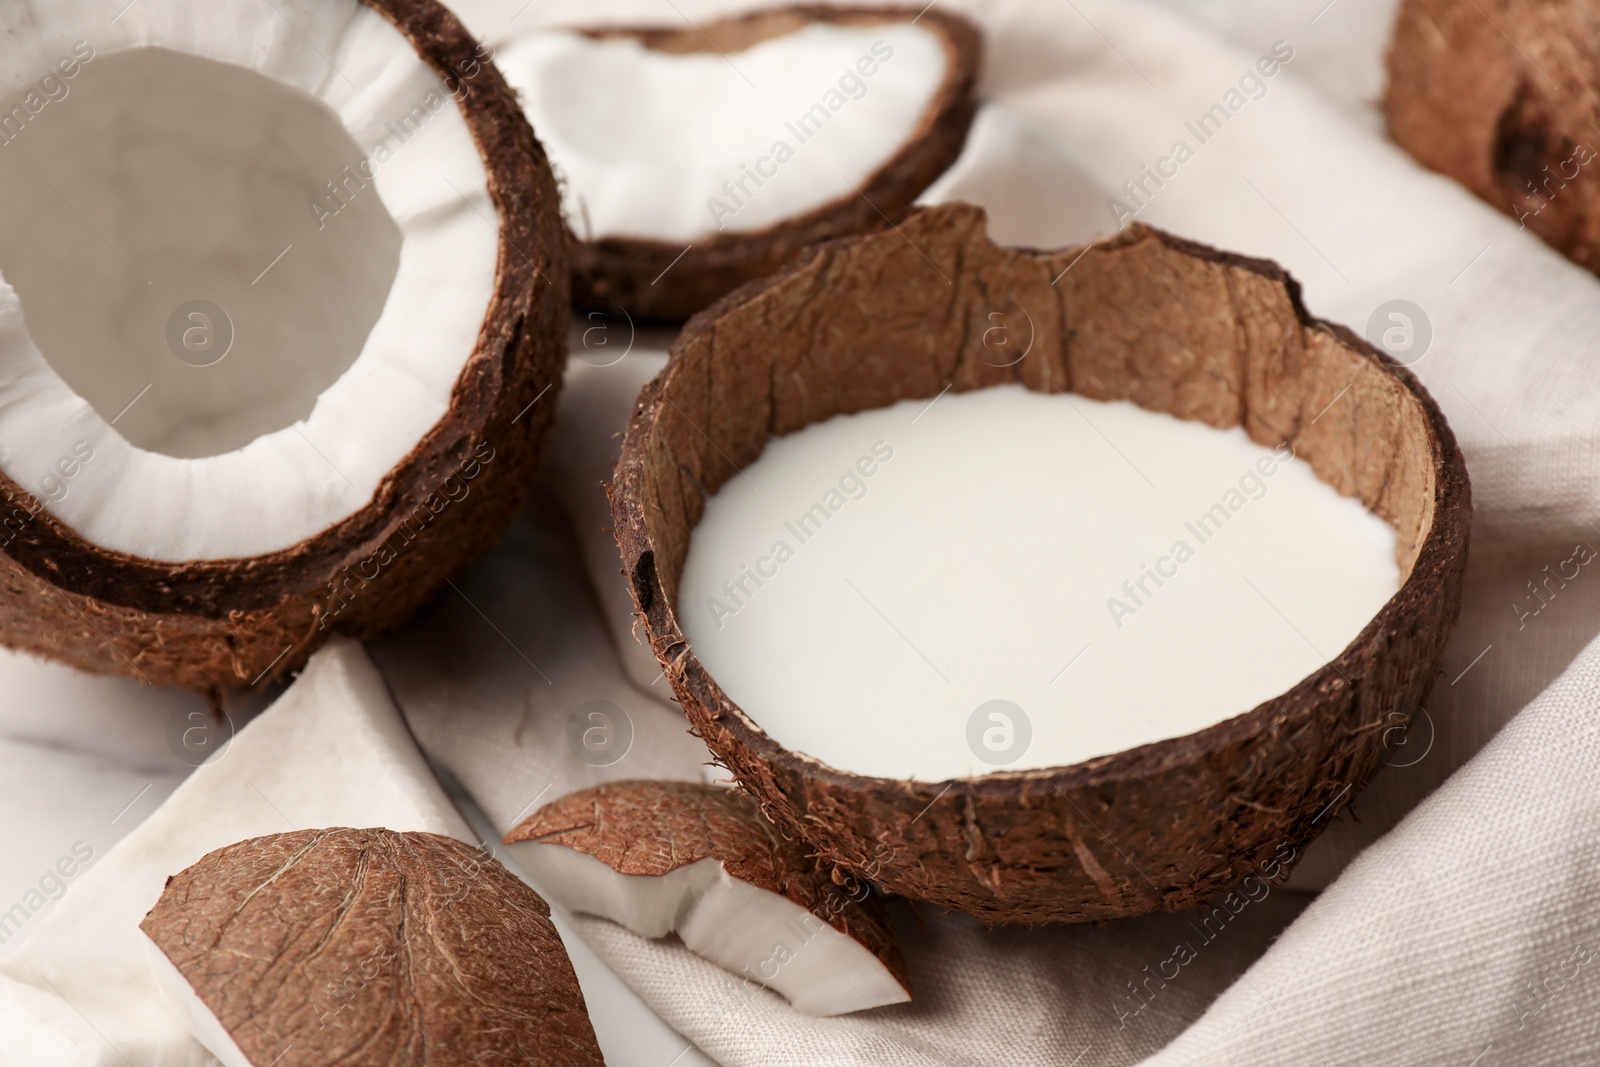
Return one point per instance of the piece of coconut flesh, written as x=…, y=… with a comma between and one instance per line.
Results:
x=180, y=999
x=678, y=147
x=244, y=257
x=751, y=931
x=730, y=922
x=332, y=751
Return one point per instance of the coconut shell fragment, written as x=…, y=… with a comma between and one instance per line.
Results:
x=661, y=281
x=647, y=830
x=1172, y=326
x=1504, y=97
x=372, y=947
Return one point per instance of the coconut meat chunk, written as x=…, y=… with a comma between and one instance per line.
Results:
x=701, y=861
x=726, y=920
x=185, y=1006
x=677, y=146
x=247, y=252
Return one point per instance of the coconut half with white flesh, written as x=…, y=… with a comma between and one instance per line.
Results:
x=282, y=293
x=702, y=861
x=695, y=159
x=367, y=946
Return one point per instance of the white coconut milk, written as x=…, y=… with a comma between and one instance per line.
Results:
x=1008, y=580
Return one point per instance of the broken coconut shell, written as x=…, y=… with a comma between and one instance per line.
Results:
x=372, y=947
x=647, y=830
x=1501, y=96
x=214, y=623
x=650, y=281
x=1173, y=326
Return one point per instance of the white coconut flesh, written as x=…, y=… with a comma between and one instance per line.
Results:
x=751, y=932
x=81, y=991
x=650, y=143
x=900, y=570
x=186, y=1007
x=183, y=153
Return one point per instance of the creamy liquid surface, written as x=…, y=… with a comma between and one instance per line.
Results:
x=1006, y=580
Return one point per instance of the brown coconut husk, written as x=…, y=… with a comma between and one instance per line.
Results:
x=217, y=624
x=649, y=281
x=1170, y=325
x=374, y=947
x=651, y=829
x=1504, y=97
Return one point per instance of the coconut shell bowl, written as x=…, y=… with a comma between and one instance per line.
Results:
x=1175, y=327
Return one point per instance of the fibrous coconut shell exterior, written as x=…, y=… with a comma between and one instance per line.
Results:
x=216, y=624
x=1504, y=97
x=652, y=828
x=662, y=282
x=1170, y=325
x=373, y=947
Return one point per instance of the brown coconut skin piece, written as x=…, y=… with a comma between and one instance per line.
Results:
x=373, y=948
x=652, y=828
x=649, y=281
x=1504, y=97
x=211, y=625
x=1170, y=325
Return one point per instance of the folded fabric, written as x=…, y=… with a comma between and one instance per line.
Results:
x=84, y=759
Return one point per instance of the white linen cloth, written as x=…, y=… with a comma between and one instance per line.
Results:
x=1458, y=924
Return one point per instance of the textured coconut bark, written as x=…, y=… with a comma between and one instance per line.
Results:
x=649, y=280
x=1172, y=326
x=216, y=624
x=1504, y=97
x=373, y=947
x=653, y=828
